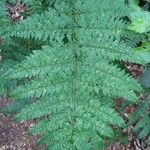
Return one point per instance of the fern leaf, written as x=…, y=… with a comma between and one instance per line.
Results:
x=73, y=78
x=142, y=119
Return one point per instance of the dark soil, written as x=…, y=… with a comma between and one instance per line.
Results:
x=13, y=135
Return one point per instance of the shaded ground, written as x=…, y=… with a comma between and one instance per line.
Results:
x=13, y=135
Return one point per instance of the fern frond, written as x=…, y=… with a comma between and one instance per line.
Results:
x=73, y=79
x=92, y=118
x=55, y=65
x=3, y=18
x=142, y=119
x=104, y=32
x=16, y=106
x=133, y=39
x=6, y=86
x=44, y=26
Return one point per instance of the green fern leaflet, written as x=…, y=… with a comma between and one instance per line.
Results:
x=142, y=119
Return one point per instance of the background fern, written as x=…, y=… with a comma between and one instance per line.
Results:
x=142, y=118
x=71, y=77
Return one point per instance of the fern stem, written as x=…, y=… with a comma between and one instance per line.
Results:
x=74, y=56
x=74, y=73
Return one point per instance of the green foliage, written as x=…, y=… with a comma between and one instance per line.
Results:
x=12, y=50
x=71, y=77
x=145, y=78
x=140, y=19
x=5, y=86
x=142, y=119
x=144, y=51
x=134, y=4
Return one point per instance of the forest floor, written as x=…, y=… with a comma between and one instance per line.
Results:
x=13, y=135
